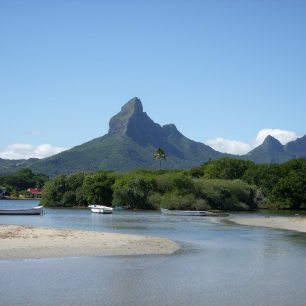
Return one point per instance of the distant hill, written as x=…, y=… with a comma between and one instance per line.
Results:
x=272, y=151
x=8, y=166
x=131, y=141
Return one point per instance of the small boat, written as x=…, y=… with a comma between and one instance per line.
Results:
x=36, y=210
x=199, y=213
x=122, y=207
x=101, y=209
x=174, y=212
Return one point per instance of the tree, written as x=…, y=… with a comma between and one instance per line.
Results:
x=226, y=168
x=24, y=179
x=54, y=191
x=160, y=155
x=133, y=191
x=97, y=188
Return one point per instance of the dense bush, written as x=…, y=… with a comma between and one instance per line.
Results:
x=228, y=195
x=22, y=180
x=133, y=191
x=226, y=184
x=283, y=186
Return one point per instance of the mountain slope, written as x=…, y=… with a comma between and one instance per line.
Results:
x=297, y=148
x=272, y=151
x=130, y=143
x=9, y=166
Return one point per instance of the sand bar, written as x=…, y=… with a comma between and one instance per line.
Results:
x=293, y=223
x=22, y=242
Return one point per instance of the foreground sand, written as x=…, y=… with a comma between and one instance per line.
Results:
x=294, y=223
x=21, y=242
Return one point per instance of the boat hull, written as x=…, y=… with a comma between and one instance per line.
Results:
x=38, y=210
x=101, y=209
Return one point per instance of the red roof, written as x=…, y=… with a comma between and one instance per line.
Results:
x=35, y=190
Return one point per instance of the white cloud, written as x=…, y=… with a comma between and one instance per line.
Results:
x=25, y=151
x=229, y=146
x=282, y=135
x=238, y=147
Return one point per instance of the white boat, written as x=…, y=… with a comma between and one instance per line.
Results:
x=101, y=209
x=201, y=213
x=37, y=210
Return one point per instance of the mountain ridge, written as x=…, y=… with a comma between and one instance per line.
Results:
x=272, y=151
x=131, y=141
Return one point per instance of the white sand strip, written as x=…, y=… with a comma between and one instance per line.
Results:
x=294, y=223
x=21, y=242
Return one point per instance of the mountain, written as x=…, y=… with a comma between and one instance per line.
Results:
x=272, y=151
x=130, y=143
x=297, y=147
x=8, y=166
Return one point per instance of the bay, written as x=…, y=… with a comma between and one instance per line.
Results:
x=219, y=264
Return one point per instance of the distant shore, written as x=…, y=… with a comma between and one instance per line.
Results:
x=293, y=223
x=23, y=242
x=19, y=199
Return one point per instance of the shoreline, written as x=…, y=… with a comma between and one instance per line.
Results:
x=292, y=223
x=28, y=242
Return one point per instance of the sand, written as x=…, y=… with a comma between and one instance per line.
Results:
x=293, y=223
x=22, y=242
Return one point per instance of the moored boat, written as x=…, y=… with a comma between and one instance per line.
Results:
x=101, y=209
x=36, y=210
x=201, y=213
x=122, y=207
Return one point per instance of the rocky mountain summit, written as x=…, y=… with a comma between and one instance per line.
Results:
x=131, y=141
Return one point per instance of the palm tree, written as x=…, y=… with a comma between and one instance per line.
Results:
x=160, y=154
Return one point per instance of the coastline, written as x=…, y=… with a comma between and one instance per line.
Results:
x=292, y=223
x=28, y=242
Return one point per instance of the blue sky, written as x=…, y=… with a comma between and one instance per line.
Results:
x=222, y=71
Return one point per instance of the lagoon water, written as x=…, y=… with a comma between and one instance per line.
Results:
x=219, y=264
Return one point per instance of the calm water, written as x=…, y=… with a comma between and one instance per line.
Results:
x=219, y=264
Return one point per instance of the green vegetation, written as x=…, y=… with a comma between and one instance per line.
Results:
x=145, y=189
x=282, y=185
x=224, y=184
x=23, y=179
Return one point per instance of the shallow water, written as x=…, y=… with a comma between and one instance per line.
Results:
x=218, y=264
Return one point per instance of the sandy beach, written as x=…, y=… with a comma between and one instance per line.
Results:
x=22, y=242
x=292, y=223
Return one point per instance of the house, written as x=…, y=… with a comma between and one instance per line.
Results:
x=35, y=192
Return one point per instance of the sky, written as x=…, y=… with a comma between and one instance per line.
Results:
x=226, y=72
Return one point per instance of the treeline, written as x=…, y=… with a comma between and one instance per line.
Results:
x=150, y=190
x=283, y=185
x=18, y=183
x=224, y=184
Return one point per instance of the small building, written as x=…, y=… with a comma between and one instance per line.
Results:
x=35, y=192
